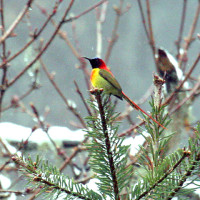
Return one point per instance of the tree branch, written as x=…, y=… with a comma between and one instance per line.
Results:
x=16, y=22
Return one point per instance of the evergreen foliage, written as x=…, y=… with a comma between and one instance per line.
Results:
x=108, y=155
x=52, y=182
x=160, y=176
x=165, y=175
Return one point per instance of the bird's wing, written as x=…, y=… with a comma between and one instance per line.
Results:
x=110, y=78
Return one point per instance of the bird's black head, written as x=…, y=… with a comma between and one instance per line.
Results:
x=95, y=62
x=162, y=53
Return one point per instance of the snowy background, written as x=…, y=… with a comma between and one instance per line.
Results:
x=131, y=60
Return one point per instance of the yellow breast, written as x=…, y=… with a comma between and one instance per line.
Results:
x=98, y=81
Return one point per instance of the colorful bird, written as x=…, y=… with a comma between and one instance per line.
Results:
x=102, y=77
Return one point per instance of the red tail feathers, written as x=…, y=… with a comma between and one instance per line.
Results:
x=134, y=105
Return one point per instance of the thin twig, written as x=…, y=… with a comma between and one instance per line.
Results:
x=184, y=177
x=5, y=147
x=149, y=31
x=76, y=150
x=70, y=107
x=183, y=81
x=189, y=38
x=69, y=159
x=64, y=36
x=17, y=193
x=4, y=57
x=178, y=42
x=35, y=194
x=143, y=19
x=185, y=155
x=3, y=30
x=129, y=109
x=21, y=146
x=45, y=47
x=192, y=93
x=34, y=36
x=37, y=178
x=114, y=36
x=82, y=98
x=151, y=36
x=85, y=12
x=85, y=179
x=15, y=100
x=146, y=95
x=76, y=41
x=45, y=128
x=16, y=22
x=130, y=130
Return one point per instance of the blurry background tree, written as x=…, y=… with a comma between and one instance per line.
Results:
x=42, y=43
x=101, y=31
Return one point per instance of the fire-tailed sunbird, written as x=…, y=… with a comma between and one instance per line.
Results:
x=102, y=77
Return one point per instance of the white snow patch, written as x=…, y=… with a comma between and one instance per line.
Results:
x=77, y=171
x=92, y=184
x=11, y=148
x=5, y=184
x=72, y=103
x=18, y=133
x=135, y=143
x=195, y=184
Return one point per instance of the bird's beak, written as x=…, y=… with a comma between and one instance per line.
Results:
x=87, y=58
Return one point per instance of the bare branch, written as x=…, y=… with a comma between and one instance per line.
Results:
x=114, y=36
x=191, y=95
x=182, y=82
x=85, y=12
x=143, y=19
x=17, y=20
x=34, y=36
x=189, y=38
x=45, y=47
x=178, y=42
x=70, y=107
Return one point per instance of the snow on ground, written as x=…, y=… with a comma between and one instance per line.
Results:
x=5, y=184
x=10, y=148
x=135, y=143
x=14, y=132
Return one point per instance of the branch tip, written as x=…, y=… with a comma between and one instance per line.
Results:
x=96, y=91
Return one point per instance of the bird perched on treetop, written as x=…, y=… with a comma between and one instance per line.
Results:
x=169, y=70
x=102, y=77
